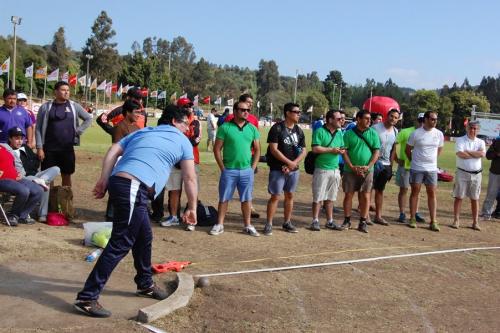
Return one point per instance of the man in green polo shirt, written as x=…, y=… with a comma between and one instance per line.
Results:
x=237, y=165
x=362, y=145
x=327, y=143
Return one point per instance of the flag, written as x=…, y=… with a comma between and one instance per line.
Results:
x=93, y=85
x=29, y=71
x=54, y=76
x=82, y=80
x=230, y=102
x=72, y=79
x=184, y=96
x=109, y=86
x=5, y=66
x=89, y=81
x=173, y=97
x=114, y=87
x=41, y=73
x=206, y=100
x=119, y=91
x=218, y=101
x=162, y=95
x=65, y=77
x=144, y=92
x=310, y=109
x=125, y=89
x=102, y=86
x=195, y=100
x=154, y=94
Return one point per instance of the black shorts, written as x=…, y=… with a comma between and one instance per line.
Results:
x=381, y=178
x=65, y=160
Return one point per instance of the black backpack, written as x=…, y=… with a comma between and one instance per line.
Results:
x=206, y=215
x=311, y=157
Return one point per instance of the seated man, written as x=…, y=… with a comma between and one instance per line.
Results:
x=27, y=165
x=27, y=193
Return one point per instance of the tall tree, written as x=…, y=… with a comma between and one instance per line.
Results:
x=59, y=55
x=106, y=61
x=268, y=78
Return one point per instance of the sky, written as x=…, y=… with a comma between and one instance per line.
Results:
x=419, y=44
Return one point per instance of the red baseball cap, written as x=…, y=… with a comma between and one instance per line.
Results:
x=184, y=101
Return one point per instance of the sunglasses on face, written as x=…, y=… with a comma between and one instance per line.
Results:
x=432, y=119
x=244, y=110
x=296, y=112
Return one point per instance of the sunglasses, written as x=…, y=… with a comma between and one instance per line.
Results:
x=432, y=119
x=296, y=112
x=244, y=110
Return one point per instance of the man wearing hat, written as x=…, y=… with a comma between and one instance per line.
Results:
x=22, y=101
x=12, y=115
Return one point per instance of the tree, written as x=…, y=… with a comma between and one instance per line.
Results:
x=59, y=54
x=333, y=84
x=106, y=61
x=420, y=101
x=313, y=98
x=202, y=77
x=463, y=100
x=268, y=78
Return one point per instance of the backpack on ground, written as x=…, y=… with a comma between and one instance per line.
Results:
x=206, y=215
x=61, y=200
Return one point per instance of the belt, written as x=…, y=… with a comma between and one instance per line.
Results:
x=471, y=172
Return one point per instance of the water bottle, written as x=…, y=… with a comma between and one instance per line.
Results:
x=93, y=255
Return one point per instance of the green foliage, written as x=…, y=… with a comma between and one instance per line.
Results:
x=463, y=101
x=268, y=78
x=313, y=98
x=420, y=101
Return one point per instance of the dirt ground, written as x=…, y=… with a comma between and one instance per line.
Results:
x=458, y=292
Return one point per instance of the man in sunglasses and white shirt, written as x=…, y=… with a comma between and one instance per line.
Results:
x=423, y=148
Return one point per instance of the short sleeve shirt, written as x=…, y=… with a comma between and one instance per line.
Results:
x=425, y=147
x=358, y=151
x=17, y=117
x=290, y=142
x=401, y=140
x=236, y=152
x=150, y=154
x=323, y=137
x=387, y=139
x=463, y=143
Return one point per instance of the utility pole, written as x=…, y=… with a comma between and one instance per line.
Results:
x=16, y=20
x=89, y=57
x=295, y=90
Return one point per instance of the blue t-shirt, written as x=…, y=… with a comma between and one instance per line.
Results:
x=318, y=124
x=150, y=154
x=17, y=117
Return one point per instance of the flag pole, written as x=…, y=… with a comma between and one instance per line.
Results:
x=44, y=85
x=8, y=76
x=31, y=86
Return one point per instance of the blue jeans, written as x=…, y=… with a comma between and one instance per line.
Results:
x=27, y=195
x=48, y=176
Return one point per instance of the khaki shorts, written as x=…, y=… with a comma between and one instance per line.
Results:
x=467, y=185
x=353, y=183
x=325, y=184
x=174, y=182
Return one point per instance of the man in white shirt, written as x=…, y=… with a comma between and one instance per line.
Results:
x=423, y=148
x=469, y=150
x=211, y=128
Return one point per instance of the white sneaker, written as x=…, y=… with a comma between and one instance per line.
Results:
x=250, y=230
x=190, y=227
x=217, y=229
x=170, y=221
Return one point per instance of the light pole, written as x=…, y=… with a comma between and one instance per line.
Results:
x=16, y=20
x=88, y=56
x=295, y=90
x=333, y=95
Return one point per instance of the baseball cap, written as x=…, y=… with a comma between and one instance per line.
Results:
x=135, y=93
x=15, y=131
x=22, y=96
x=184, y=101
x=420, y=115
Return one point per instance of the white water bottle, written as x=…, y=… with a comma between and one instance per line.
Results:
x=93, y=255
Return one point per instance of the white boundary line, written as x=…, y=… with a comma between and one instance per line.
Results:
x=352, y=261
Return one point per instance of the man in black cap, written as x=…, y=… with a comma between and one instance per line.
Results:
x=108, y=120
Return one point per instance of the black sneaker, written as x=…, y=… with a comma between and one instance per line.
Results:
x=346, y=225
x=153, y=292
x=27, y=220
x=363, y=227
x=92, y=308
x=268, y=229
x=332, y=225
x=254, y=214
x=289, y=227
x=12, y=220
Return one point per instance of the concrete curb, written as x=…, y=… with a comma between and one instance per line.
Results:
x=178, y=299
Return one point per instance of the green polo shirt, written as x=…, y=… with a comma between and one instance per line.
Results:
x=236, y=150
x=359, y=153
x=322, y=137
x=401, y=140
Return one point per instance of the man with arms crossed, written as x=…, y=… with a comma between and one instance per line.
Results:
x=423, y=148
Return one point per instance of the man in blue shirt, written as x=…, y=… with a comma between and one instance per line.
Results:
x=12, y=116
x=148, y=156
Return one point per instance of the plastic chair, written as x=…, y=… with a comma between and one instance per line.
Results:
x=4, y=215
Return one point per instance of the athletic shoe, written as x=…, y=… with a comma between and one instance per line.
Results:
x=455, y=225
x=380, y=221
x=363, y=227
x=331, y=225
x=27, y=220
x=401, y=218
x=254, y=214
x=315, y=225
x=217, y=229
x=170, y=221
x=190, y=227
x=434, y=226
x=419, y=218
x=13, y=221
x=154, y=292
x=92, y=308
x=412, y=223
x=42, y=219
x=289, y=227
x=369, y=220
x=346, y=224
x=268, y=229
x=250, y=230
x=476, y=227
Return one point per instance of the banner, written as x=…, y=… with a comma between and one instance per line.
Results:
x=54, y=76
x=93, y=85
x=82, y=80
x=162, y=95
x=119, y=91
x=65, y=77
x=195, y=100
x=125, y=89
x=218, y=101
x=109, y=87
x=230, y=102
x=41, y=73
x=206, y=100
x=72, y=79
x=102, y=86
x=5, y=66
x=154, y=94
x=173, y=97
x=184, y=96
x=29, y=71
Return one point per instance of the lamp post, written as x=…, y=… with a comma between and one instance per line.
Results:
x=333, y=95
x=16, y=20
x=88, y=56
x=295, y=90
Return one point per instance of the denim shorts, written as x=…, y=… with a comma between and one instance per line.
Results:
x=280, y=182
x=429, y=178
x=230, y=179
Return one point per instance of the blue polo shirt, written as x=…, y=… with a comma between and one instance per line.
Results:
x=17, y=117
x=150, y=154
